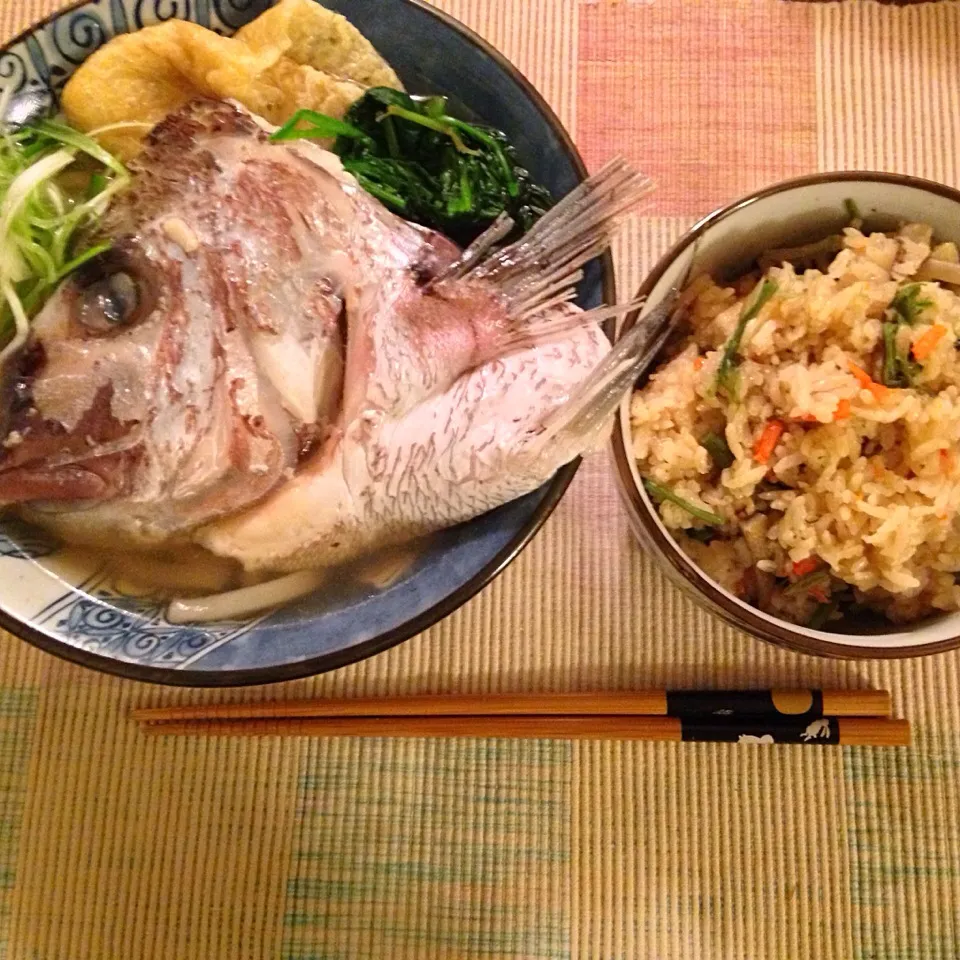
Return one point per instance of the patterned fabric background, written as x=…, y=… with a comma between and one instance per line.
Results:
x=114, y=846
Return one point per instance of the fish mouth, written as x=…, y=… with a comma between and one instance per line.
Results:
x=99, y=474
x=78, y=482
x=41, y=461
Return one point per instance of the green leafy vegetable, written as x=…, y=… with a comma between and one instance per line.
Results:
x=907, y=305
x=43, y=221
x=701, y=534
x=728, y=377
x=719, y=450
x=660, y=492
x=898, y=370
x=308, y=124
x=815, y=578
x=426, y=165
x=853, y=211
x=822, y=613
x=904, y=309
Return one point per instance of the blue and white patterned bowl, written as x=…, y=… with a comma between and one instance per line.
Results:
x=73, y=609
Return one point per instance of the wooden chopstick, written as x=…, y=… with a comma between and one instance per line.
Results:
x=809, y=704
x=863, y=731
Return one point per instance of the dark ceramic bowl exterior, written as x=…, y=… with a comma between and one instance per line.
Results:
x=82, y=617
x=726, y=242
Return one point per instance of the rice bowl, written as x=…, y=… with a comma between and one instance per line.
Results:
x=809, y=487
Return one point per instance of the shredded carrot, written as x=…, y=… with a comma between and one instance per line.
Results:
x=767, y=440
x=947, y=461
x=818, y=594
x=878, y=390
x=843, y=410
x=802, y=567
x=924, y=344
x=698, y=363
x=807, y=418
x=863, y=378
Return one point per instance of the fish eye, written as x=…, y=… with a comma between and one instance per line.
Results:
x=110, y=303
x=114, y=290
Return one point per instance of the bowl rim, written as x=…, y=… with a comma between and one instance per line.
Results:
x=313, y=666
x=775, y=630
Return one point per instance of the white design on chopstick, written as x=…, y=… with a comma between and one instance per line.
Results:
x=818, y=728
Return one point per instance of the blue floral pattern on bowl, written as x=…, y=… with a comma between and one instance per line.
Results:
x=71, y=607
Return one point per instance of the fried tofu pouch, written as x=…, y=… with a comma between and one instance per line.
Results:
x=295, y=55
x=312, y=36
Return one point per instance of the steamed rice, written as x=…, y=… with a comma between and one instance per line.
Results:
x=856, y=503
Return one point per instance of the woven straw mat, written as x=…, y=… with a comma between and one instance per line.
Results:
x=116, y=847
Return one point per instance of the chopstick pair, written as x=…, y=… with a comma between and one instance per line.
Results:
x=860, y=717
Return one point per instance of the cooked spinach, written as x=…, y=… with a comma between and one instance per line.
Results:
x=718, y=448
x=426, y=165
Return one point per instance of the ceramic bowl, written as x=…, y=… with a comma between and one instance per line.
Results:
x=725, y=244
x=72, y=608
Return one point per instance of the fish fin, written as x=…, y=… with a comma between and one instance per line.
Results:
x=580, y=423
x=543, y=267
x=558, y=324
x=477, y=250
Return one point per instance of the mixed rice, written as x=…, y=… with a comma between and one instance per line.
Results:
x=804, y=444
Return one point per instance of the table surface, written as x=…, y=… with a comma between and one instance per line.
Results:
x=112, y=845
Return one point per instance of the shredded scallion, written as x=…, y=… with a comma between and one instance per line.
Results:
x=42, y=220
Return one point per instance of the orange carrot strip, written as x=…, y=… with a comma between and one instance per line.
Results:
x=863, y=378
x=924, y=344
x=767, y=440
x=698, y=363
x=819, y=594
x=802, y=567
x=807, y=418
x=878, y=390
x=843, y=410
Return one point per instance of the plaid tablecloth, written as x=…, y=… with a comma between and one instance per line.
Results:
x=114, y=846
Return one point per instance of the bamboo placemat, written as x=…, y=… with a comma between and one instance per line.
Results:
x=114, y=845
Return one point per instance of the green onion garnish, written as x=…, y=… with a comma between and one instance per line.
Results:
x=42, y=221
x=308, y=124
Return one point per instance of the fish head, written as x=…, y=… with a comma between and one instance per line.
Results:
x=149, y=380
x=78, y=395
